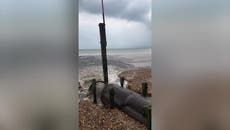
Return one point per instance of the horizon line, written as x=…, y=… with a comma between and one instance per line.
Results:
x=117, y=48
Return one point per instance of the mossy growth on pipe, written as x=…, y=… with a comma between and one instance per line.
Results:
x=144, y=89
x=111, y=97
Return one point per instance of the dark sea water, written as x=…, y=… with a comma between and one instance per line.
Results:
x=117, y=57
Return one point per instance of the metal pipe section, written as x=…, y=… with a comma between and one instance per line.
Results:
x=128, y=101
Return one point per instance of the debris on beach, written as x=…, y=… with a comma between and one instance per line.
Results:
x=94, y=117
x=135, y=78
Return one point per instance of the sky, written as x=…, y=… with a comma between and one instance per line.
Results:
x=128, y=23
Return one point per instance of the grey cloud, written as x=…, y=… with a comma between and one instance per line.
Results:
x=133, y=10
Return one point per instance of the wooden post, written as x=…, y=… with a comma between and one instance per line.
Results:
x=103, y=45
x=148, y=115
x=122, y=79
x=103, y=51
x=94, y=91
x=144, y=89
x=111, y=97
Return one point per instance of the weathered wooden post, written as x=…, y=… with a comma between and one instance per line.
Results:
x=144, y=89
x=103, y=46
x=122, y=80
x=148, y=115
x=94, y=91
x=111, y=97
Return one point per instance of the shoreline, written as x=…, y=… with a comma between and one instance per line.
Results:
x=119, y=63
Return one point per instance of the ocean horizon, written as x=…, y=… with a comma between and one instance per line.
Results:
x=113, y=51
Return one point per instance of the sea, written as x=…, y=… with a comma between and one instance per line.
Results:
x=139, y=57
x=115, y=51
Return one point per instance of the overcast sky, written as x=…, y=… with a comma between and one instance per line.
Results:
x=128, y=23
